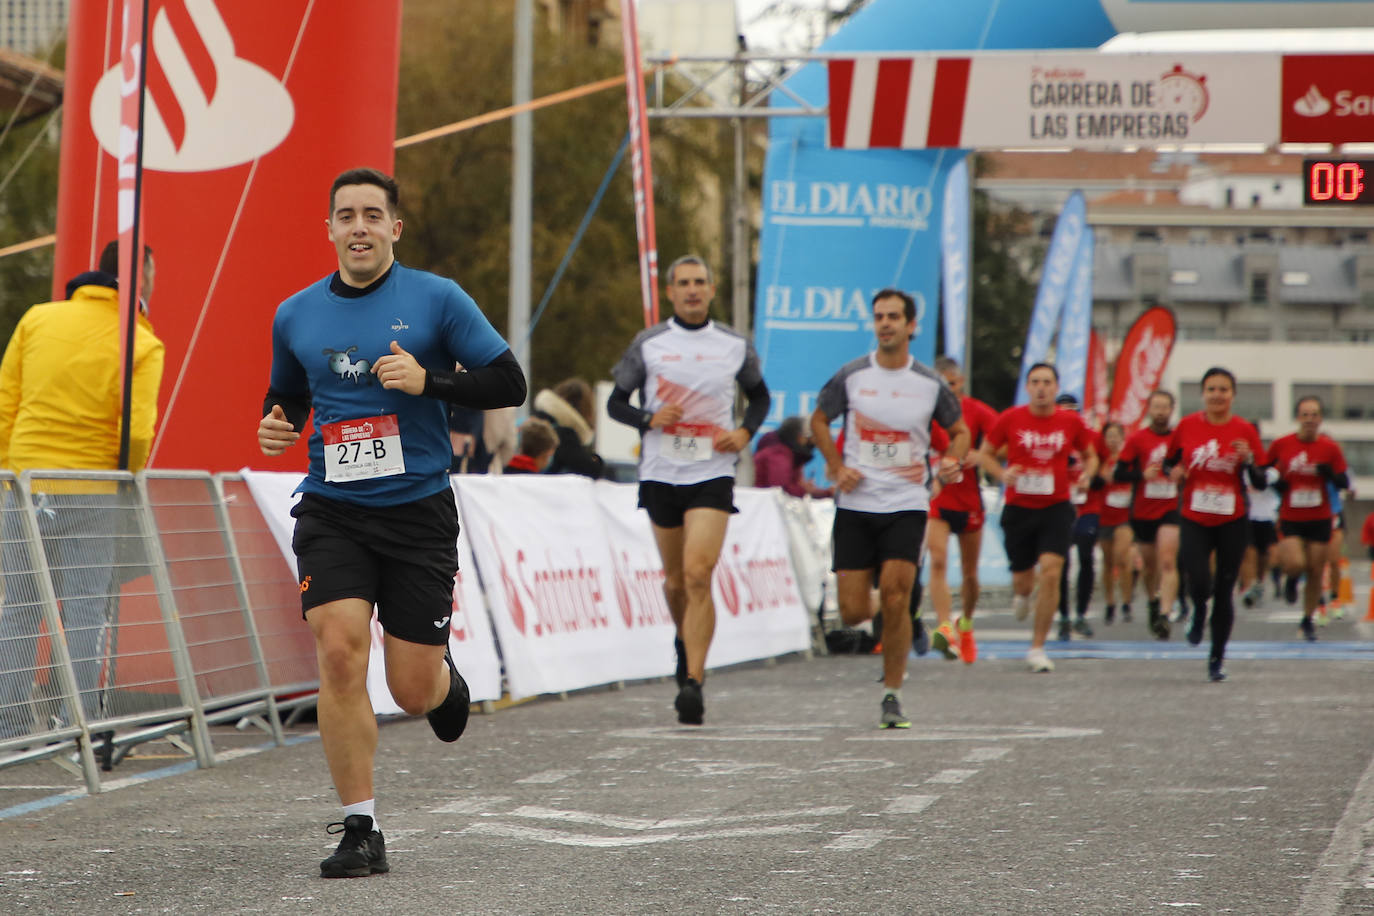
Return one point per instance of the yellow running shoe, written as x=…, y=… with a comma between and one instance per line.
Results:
x=968, y=646
x=945, y=642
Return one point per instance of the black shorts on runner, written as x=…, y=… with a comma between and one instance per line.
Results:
x=1108, y=532
x=1028, y=533
x=1263, y=535
x=865, y=540
x=959, y=522
x=1146, y=530
x=667, y=503
x=401, y=558
x=1317, y=531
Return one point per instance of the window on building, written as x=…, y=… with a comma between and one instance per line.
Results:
x=1197, y=332
x=1360, y=457
x=1259, y=289
x=1183, y=277
x=1295, y=278
x=1357, y=402
x=1254, y=400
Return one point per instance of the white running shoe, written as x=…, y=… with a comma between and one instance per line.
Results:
x=1038, y=661
x=1021, y=606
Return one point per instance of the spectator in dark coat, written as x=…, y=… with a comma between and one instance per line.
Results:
x=780, y=457
x=569, y=409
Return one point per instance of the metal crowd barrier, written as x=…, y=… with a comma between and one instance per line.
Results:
x=137, y=608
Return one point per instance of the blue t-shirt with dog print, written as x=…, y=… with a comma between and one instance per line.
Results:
x=323, y=348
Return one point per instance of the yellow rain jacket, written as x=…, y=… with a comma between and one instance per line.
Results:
x=60, y=386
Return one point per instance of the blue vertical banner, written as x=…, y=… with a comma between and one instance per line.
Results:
x=1071, y=349
x=955, y=257
x=1054, y=285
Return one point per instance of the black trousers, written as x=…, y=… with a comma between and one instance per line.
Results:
x=1197, y=544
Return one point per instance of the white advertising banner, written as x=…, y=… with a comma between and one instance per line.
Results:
x=543, y=548
x=470, y=637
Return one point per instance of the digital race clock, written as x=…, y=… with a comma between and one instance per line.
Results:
x=1338, y=182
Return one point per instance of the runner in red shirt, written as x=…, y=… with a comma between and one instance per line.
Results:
x=1305, y=461
x=958, y=509
x=1208, y=453
x=1154, y=508
x=1114, y=530
x=1036, y=440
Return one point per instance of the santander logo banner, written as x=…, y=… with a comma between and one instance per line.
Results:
x=1140, y=365
x=243, y=135
x=1327, y=98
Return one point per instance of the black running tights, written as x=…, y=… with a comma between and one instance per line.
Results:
x=1197, y=543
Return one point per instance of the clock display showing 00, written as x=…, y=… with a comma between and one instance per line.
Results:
x=1338, y=182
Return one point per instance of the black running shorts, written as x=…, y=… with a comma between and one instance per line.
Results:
x=959, y=522
x=1317, y=531
x=667, y=503
x=401, y=558
x=1028, y=533
x=1146, y=530
x=1263, y=535
x=865, y=540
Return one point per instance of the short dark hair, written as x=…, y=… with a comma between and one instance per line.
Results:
x=1321, y=408
x=945, y=365
x=109, y=257
x=1217, y=370
x=1049, y=366
x=537, y=437
x=908, y=303
x=1113, y=423
x=578, y=394
x=1161, y=393
x=372, y=177
x=689, y=259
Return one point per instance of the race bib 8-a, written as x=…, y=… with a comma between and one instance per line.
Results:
x=687, y=442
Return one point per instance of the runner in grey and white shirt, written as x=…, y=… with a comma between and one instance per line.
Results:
x=686, y=370
x=887, y=400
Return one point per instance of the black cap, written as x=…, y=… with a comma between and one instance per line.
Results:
x=1066, y=400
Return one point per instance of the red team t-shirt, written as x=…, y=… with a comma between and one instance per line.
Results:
x=1089, y=502
x=1213, y=490
x=963, y=495
x=1306, y=499
x=1116, y=498
x=1153, y=499
x=1041, y=446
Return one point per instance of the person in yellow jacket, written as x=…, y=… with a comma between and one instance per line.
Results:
x=60, y=408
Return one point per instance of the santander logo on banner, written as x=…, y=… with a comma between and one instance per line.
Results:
x=207, y=108
x=1327, y=98
x=1140, y=365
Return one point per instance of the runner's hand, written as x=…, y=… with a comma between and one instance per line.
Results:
x=1153, y=472
x=1243, y=450
x=399, y=369
x=730, y=440
x=667, y=415
x=950, y=470
x=845, y=477
x=275, y=433
x=1010, y=474
x=1177, y=474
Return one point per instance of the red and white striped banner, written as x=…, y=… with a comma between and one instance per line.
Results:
x=640, y=163
x=1093, y=100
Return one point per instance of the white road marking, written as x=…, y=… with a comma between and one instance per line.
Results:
x=564, y=838
x=673, y=823
x=951, y=777
x=859, y=839
x=910, y=804
x=986, y=754
x=475, y=805
x=980, y=733
x=812, y=733
x=547, y=777
x=615, y=753
x=1349, y=846
x=730, y=733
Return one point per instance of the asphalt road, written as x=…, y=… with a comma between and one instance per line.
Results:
x=1124, y=782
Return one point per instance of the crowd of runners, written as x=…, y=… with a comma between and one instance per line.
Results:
x=1192, y=507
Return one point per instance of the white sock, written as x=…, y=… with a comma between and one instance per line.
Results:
x=368, y=807
x=892, y=692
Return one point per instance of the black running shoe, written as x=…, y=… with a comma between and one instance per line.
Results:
x=691, y=708
x=681, y=649
x=1109, y=614
x=1125, y=613
x=1065, y=629
x=1195, y=631
x=361, y=852
x=1154, y=616
x=1309, y=630
x=1082, y=627
x=892, y=714
x=920, y=638
x=1290, y=590
x=450, y=717
x=1214, y=670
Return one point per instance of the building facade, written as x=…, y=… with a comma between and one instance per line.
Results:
x=32, y=26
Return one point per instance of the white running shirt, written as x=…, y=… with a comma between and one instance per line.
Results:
x=887, y=414
x=696, y=369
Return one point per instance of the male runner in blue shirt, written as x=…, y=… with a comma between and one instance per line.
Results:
x=372, y=350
